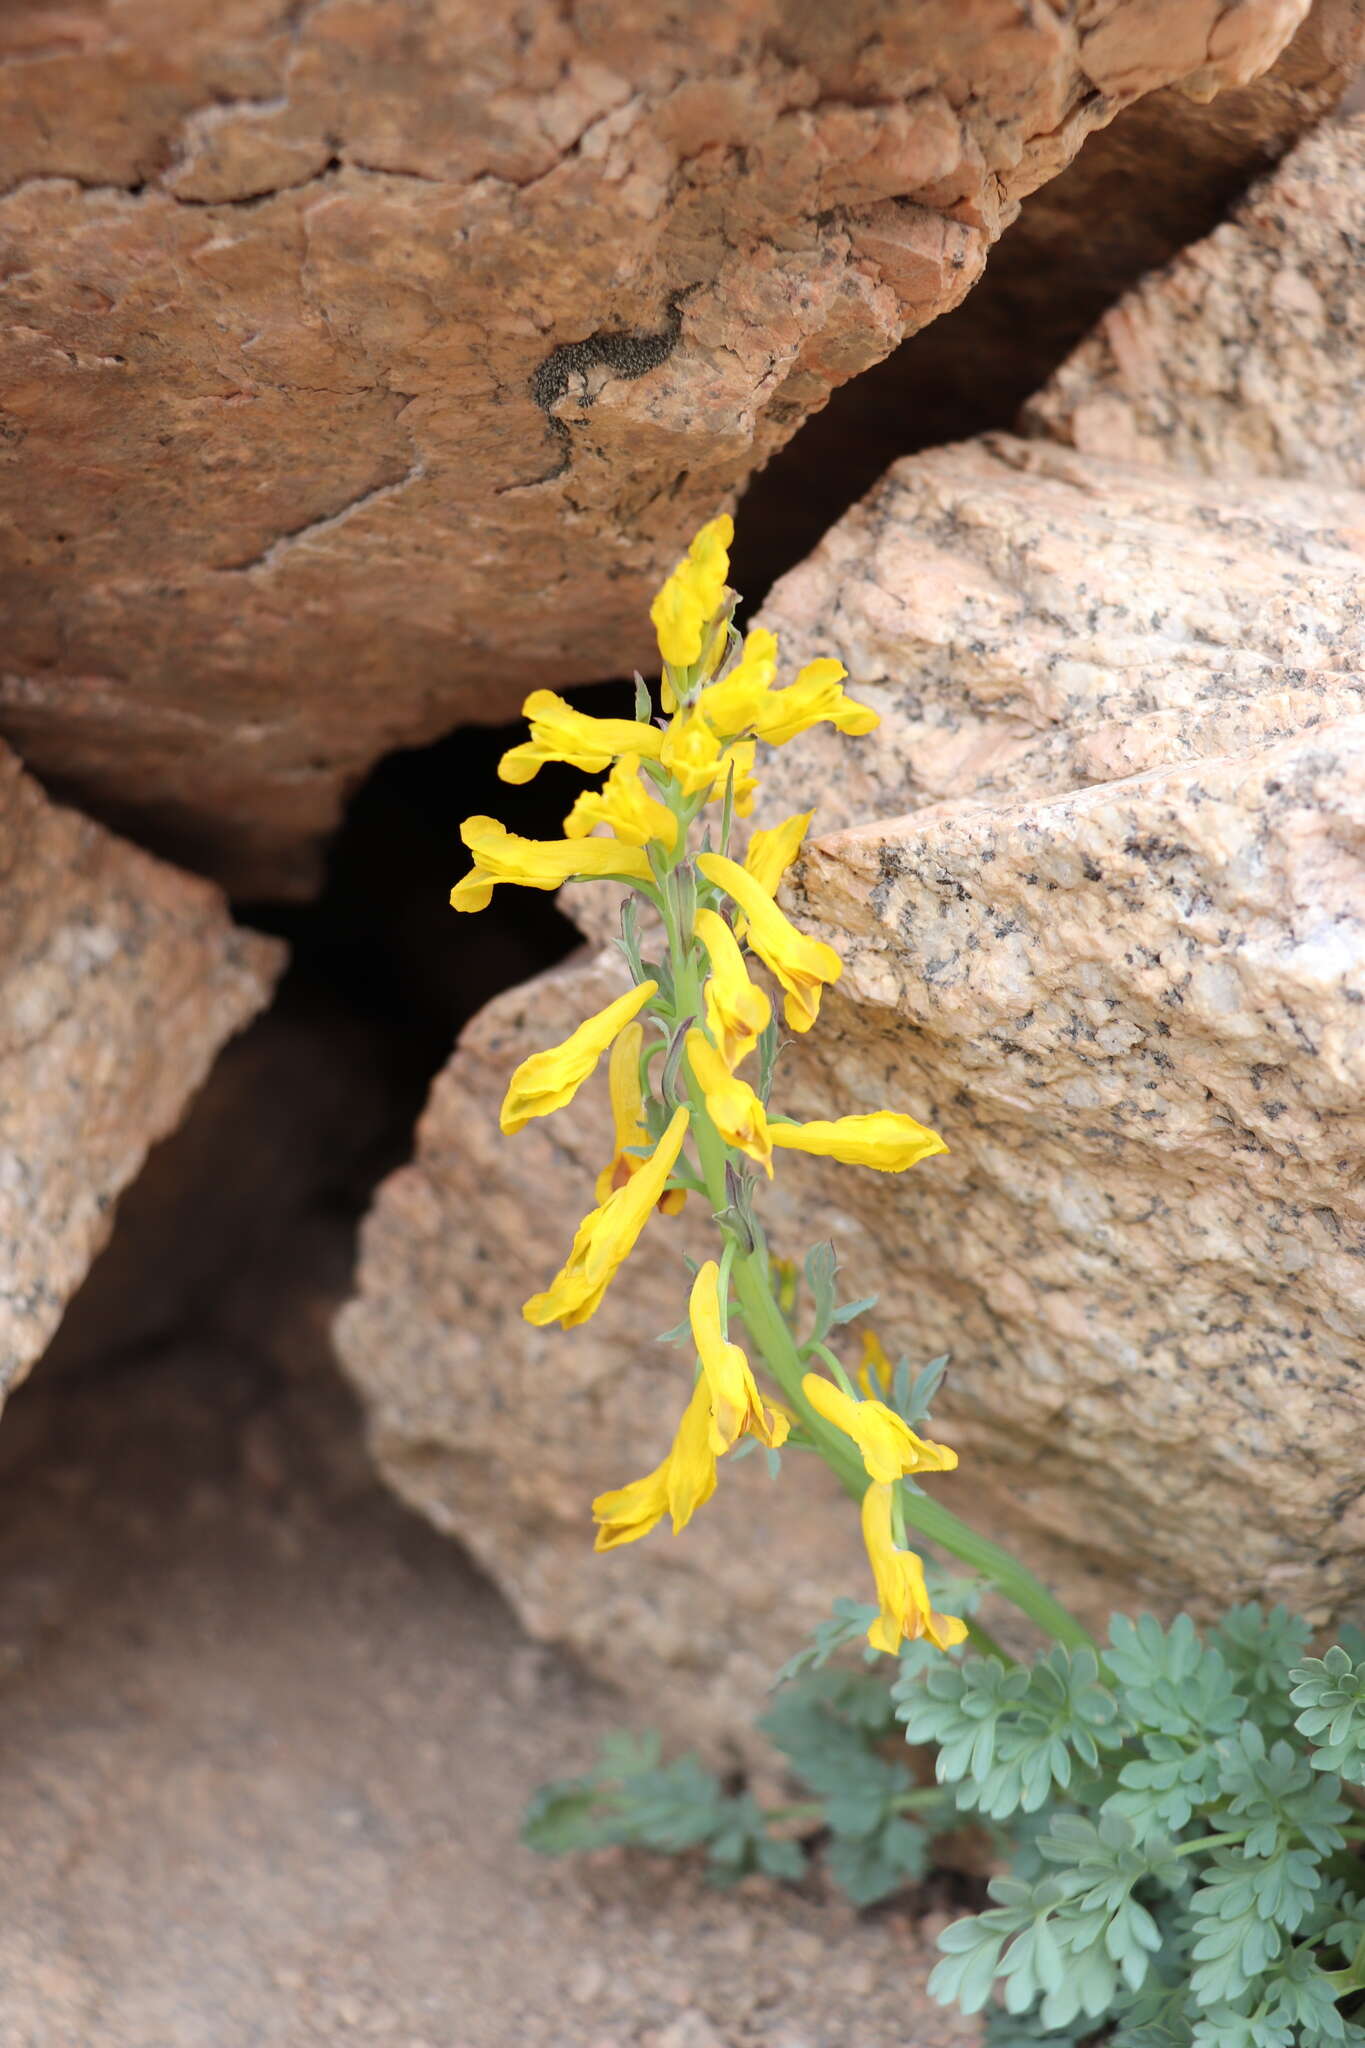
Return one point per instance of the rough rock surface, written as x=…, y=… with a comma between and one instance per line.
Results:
x=337, y=334
x=119, y=980
x=1160, y=177
x=1106, y=933
x=268, y=1745
x=1242, y=358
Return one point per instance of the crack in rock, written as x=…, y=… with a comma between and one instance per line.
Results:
x=269, y=556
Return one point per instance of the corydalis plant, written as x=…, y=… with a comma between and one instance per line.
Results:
x=693, y=1049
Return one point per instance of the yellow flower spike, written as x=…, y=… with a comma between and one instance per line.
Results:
x=901, y=1592
x=684, y=1482
x=559, y=733
x=626, y=806
x=884, y=1139
x=889, y=1446
x=502, y=856
x=734, y=704
x=876, y=1372
x=736, y=1011
x=736, y=1409
x=731, y=1104
x=547, y=1080
x=802, y=965
x=628, y=1120
x=606, y=1237
x=816, y=695
x=691, y=596
x=771, y=853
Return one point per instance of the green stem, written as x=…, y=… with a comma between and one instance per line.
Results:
x=1204, y=1842
x=813, y=1810
x=769, y=1330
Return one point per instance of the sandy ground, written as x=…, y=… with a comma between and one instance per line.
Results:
x=266, y=1742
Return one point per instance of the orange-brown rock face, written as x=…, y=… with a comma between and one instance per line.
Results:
x=119, y=981
x=366, y=363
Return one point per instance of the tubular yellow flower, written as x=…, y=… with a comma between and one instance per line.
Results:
x=731, y=1104
x=684, y=1482
x=606, y=1237
x=628, y=1120
x=736, y=1011
x=889, y=1446
x=559, y=733
x=502, y=856
x=691, y=753
x=884, y=1139
x=547, y=1080
x=624, y=804
x=802, y=965
x=816, y=694
x=735, y=704
x=901, y=1592
x=736, y=1409
x=771, y=853
x=876, y=1371
x=692, y=595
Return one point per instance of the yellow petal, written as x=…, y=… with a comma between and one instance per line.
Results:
x=884, y=1139
x=816, y=695
x=735, y=1405
x=736, y=1011
x=889, y=1446
x=731, y=1104
x=626, y=807
x=901, y=1591
x=803, y=966
x=606, y=1237
x=547, y=1080
x=690, y=598
x=771, y=853
x=560, y=733
x=503, y=856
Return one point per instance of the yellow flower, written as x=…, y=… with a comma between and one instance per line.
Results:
x=691, y=753
x=691, y=597
x=901, y=1591
x=734, y=704
x=606, y=1237
x=547, y=1080
x=736, y=1408
x=736, y=1011
x=884, y=1139
x=626, y=806
x=802, y=965
x=628, y=1120
x=678, y=1487
x=876, y=1372
x=559, y=733
x=889, y=1446
x=502, y=856
x=816, y=694
x=731, y=1104
x=771, y=853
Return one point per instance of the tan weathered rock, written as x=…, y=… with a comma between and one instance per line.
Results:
x=1242, y=358
x=1101, y=898
x=119, y=980
x=338, y=336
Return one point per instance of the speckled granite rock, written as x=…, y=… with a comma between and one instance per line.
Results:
x=1101, y=895
x=337, y=335
x=119, y=980
x=1243, y=357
